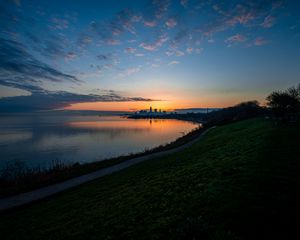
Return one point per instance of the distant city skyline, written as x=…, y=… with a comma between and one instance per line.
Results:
x=130, y=55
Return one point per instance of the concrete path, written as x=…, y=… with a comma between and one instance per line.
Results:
x=38, y=194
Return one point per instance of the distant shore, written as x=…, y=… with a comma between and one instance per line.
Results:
x=191, y=117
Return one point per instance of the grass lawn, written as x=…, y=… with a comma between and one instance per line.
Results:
x=242, y=181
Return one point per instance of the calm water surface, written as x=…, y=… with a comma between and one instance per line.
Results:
x=40, y=139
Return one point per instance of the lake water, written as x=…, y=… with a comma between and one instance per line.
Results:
x=39, y=139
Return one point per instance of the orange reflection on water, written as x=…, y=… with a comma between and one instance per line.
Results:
x=87, y=138
x=124, y=123
x=136, y=132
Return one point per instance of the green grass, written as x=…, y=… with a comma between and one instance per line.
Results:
x=240, y=182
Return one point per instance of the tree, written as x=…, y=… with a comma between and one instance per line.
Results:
x=284, y=103
x=238, y=112
x=295, y=92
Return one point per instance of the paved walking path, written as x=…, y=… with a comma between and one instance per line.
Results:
x=38, y=194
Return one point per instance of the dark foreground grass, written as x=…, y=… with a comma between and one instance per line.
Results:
x=240, y=182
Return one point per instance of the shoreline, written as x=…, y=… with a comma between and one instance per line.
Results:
x=198, y=118
x=44, y=192
x=42, y=178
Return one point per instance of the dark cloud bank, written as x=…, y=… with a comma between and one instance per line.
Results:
x=19, y=69
x=45, y=100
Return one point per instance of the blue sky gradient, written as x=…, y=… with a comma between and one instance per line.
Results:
x=185, y=53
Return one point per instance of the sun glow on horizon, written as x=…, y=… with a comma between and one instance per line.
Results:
x=132, y=106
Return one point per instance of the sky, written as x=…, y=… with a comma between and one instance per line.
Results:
x=128, y=55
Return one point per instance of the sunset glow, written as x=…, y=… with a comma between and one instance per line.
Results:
x=130, y=55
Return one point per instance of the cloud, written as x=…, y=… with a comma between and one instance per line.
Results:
x=244, y=14
x=269, y=21
x=59, y=23
x=132, y=70
x=179, y=53
x=113, y=42
x=149, y=47
x=173, y=63
x=169, y=53
x=259, y=41
x=20, y=69
x=126, y=18
x=171, y=22
x=12, y=18
x=161, y=7
x=181, y=35
x=136, y=18
x=47, y=100
x=154, y=46
x=235, y=39
x=20, y=25
x=184, y=3
x=198, y=50
x=154, y=65
x=32, y=37
x=108, y=30
x=84, y=40
x=104, y=57
x=189, y=50
x=173, y=50
x=70, y=56
x=130, y=50
x=128, y=72
x=155, y=11
x=108, y=66
x=150, y=23
x=107, y=61
x=132, y=40
x=54, y=46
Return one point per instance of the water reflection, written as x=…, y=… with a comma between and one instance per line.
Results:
x=40, y=139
